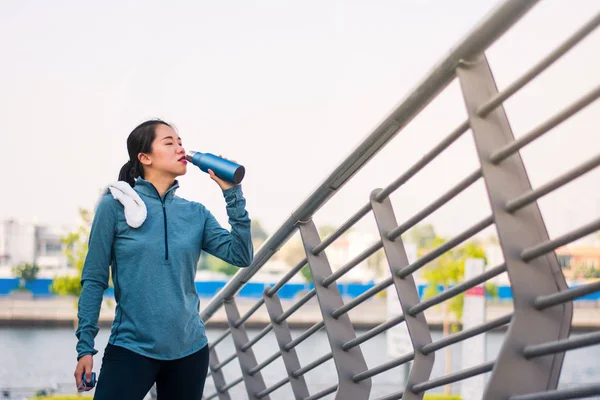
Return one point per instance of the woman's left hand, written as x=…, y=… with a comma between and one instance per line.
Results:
x=224, y=185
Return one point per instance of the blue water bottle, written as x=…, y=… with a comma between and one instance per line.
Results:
x=224, y=169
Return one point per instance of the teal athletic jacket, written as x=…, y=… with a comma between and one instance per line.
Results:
x=153, y=269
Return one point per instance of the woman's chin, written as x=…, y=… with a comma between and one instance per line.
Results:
x=181, y=170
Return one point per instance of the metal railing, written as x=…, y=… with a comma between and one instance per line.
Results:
x=529, y=362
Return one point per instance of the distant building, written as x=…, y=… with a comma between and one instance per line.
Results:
x=25, y=242
x=574, y=259
x=374, y=268
x=49, y=249
x=17, y=242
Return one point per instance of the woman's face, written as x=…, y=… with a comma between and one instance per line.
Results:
x=168, y=154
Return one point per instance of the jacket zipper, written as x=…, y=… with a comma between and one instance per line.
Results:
x=166, y=235
x=162, y=201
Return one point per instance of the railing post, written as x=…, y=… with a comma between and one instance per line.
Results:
x=283, y=335
x=513, y=374
x=408, y=295
x=217, y=374
x=340, y=330
x=254, y=382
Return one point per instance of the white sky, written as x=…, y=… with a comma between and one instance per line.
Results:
x=286, y=88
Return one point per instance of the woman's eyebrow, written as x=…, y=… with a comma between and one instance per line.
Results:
x=170, y=137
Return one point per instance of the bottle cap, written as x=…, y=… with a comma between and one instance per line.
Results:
x=189, y=154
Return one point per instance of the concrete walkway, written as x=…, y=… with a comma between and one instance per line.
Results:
x=61, y=311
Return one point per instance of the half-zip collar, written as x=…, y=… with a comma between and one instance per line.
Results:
x=147, y=188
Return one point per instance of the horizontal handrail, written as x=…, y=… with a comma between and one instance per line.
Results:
x=479, y=39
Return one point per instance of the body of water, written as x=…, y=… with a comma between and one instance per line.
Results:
x=46, y=357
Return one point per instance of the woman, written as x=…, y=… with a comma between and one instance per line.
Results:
x=152, y=241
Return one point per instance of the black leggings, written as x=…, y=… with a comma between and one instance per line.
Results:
x=129, y=376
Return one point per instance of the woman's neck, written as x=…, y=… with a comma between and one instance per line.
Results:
x=162, y=183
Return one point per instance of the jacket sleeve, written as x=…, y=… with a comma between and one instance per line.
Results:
x=94, y=277
x=234, y=247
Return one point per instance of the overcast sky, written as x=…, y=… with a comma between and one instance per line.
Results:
x=288, y=89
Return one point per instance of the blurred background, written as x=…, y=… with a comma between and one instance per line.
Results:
x=288, y=89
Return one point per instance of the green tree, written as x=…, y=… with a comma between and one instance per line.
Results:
x=76, y=247
x=587, y=271
x=306, y=273
x=449, y=270
x=326, y=230
x=423, y=236
x=446, y=271
x=26, y=273
x=215, y=264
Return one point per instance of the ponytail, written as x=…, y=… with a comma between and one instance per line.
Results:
x=127, y=173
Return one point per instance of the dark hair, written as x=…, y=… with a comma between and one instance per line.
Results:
x=139, y=141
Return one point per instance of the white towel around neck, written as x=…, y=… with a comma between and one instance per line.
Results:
x=135, y=208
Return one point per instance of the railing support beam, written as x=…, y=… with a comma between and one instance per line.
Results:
x=254, y=382
x=513, y=374
x=339, y=331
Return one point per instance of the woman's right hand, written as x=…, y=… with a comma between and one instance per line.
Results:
x=84, y=365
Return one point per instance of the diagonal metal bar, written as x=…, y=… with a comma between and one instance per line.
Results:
x=249, y=313
x=466, y=334
x=224, y=362
x=577, y=342
x=342, y=229
x=296, y=306
x=384, y=367
x=406, y=271
x=264, y=363
x=424, y=161
x=409, y=269
x=498, y=98
x=358, y=300
x=284, y=336
x=373, y=332
x=352, y=263
x=567, y=295
x=256, y=338
x=483, y=35
x=273, y=388
x=339, y=330
x=455, y=377
x=212, y=396
x=455, y=290
x=449, y=245
x=516, y=231
x=408, y=295
x=514, y=146
x=254, y=382
x=220, y=338
x=323, y=393
x=551, y=245
x=456, y=190
x=217, y=375
x=305, y=335
x=313, y=364
x=236, y=382
x=533, y=195
x=289, y=275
